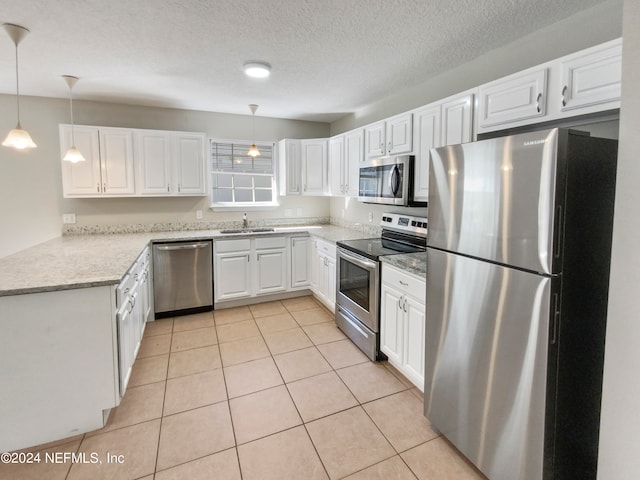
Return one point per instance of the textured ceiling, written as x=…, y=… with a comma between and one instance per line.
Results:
x=329, y=57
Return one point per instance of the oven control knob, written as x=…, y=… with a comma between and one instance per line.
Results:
x=414, y=223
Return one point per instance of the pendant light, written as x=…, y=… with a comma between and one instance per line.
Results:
x=253, y=150
x=17, y=138
x=73, y=155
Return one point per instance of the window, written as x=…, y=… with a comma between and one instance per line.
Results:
x=240, y=180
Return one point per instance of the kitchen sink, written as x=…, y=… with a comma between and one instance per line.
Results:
x=247, y=230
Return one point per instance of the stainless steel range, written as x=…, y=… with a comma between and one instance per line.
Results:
x=358, y=277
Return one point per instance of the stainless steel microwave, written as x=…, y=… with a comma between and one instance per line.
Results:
x=387, y=180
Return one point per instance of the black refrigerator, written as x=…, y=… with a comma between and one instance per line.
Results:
x=518, y=257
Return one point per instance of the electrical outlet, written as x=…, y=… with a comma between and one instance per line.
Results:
x=68, y=218
x=370, y=216
x=198, y=214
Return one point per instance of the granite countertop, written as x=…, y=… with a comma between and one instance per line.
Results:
x=415, y=263
x=80, y=261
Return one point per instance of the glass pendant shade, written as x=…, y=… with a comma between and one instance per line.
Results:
x=19, y=139
x=253, y=151
x=73, y=155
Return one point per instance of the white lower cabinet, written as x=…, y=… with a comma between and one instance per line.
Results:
x=299, y=248
x=323, y=259
x=249, y=267
x=402, y=322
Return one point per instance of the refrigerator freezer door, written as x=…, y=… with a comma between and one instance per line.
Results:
x=487, y=337
x=496, y=199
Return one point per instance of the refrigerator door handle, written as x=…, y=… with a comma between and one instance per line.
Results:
x=555, y=322
x=558, y=232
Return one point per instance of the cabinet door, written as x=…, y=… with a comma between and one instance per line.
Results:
x=374, y=140
x=457, y=116
x=426, y=136
x=189, y=177
x=354, y=156
x=314, y=167
x=514, y=98
x=153, y=162
x=331, y=282
x=81, y=179
x=232, y=276
x=399, y=134
x=414, y=332
x=314, y=264
x=116, y=155
x=337, y=180
x=391, y=324
x=300, y=262
x=125, y=359
x=592, y=77
x=290, y=167
x=271, y=271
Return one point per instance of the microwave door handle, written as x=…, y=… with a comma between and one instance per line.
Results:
x=394, y=181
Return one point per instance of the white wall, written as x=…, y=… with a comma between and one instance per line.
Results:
x=31, y=202
x=620, y=422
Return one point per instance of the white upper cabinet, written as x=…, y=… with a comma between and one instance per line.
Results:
x=426, y=135
x=581, y=83
x=153, y=150
x=189, y=164
x=457, y=120
x=517, y=97
x=81, y=179
x=390, y=137
x=592, y=77
x=337, y=179
x=108, y=167
x=116, y=157
x=314, y=166
x=133, y=162
x=345, y=157
x=170, y=163
x=354, y=156
x=290, y=167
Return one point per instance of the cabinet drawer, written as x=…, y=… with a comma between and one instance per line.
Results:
x=404, y=282
x=326, y=248
x=240, y=245
x=263, y=243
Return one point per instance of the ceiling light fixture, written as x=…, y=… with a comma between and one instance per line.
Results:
x=253, y=150
x=257, y=69
x=73, y=155
x=17, y=138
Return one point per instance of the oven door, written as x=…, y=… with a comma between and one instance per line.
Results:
x=357, y=287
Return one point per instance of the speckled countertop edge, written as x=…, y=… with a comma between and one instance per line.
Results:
x=415, y=263
x=82, y=261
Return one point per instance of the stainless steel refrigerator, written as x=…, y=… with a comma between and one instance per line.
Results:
x=518, y=256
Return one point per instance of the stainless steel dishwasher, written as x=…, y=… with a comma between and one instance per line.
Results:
x=182, y=277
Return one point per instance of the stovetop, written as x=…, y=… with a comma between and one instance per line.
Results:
x=374, y=248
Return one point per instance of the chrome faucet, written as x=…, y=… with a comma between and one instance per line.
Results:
x=245, y=223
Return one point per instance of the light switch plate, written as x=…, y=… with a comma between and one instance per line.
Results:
x=198, y=214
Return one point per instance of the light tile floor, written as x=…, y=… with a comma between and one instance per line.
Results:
x=268, y=391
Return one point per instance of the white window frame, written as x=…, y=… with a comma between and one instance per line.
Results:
x=244, y=206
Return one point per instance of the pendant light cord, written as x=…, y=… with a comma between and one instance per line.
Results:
x=73, y=137
x=17, y=87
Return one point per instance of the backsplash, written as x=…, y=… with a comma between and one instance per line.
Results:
x=365, y=228
x=189, y=226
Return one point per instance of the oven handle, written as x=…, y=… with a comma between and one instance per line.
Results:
x=357, y=259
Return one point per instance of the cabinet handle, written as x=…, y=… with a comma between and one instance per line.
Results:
x=404, y=306
x=104, y=187
x=178, y=188
x=538, y=102
x=98, y=188
x=403, y=283
x=400, y=303
x=167, y=188
x=564, y=98
x=389, y=147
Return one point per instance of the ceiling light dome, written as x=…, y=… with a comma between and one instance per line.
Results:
x=257, y=69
